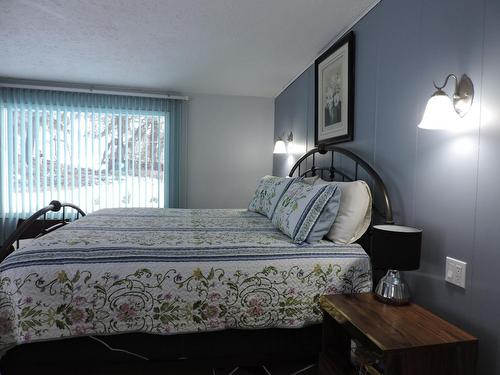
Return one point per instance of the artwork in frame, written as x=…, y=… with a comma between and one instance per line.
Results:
x=334, y=93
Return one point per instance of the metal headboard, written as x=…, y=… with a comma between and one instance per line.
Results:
x=333, y=171
x=55, y=206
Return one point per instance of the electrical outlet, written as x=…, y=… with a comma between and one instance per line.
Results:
x=455, y=272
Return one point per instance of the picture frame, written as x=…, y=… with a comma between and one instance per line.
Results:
x=334, y=93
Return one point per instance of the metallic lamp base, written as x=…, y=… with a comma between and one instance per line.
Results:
x=392, y=289
x=464, y=95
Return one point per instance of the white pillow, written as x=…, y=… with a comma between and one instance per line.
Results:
x=354, y=214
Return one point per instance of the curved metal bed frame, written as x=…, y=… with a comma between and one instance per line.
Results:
x=289, y=341
x=54, y=206
x=333, y=171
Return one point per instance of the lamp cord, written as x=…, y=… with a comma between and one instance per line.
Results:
x=118, y=350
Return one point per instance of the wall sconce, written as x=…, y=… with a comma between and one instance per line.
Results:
x=290, y=145
x=281, y=148
x=441, y=112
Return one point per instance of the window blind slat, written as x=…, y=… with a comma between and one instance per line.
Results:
x=78, y=143
x=146, y=159
x=10, y=157
x=64, y=147
x=36, y=160
x=133, y=162
x=112, y=159
x=139, y=168
x=106, y=143
x=119, y=163
x=158, y=163
x=58, y=152
x=146, y=164
x=126, y=159
x=92, y=126
x=152, y=164
x=22, y=160
x=45, y=154
x=15, y=171
x=29, y=157
x=99, y=133
x=52, y=166
x=73, y=152
x=4, y=162
x=166, y=166
x=85, y=167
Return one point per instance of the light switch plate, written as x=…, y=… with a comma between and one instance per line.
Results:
x=455, y=272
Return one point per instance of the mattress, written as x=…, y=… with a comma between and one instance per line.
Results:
x=169, y=271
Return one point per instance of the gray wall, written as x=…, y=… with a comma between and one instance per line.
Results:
x=229, y=148
x=447, y=183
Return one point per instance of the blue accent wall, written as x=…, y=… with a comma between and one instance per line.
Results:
x=447, y=183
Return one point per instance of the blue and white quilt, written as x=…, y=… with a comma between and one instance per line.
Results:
x=169, y=271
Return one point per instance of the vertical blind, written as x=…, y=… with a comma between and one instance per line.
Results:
x=93, y=150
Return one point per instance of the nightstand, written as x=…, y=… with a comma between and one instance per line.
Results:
x=407, y=340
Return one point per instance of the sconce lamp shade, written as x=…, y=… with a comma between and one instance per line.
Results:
x=439, y=112
x=396, y=247
x=279, y=147
x=443, y=113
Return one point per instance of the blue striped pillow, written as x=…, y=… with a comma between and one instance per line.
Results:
x=306, y=212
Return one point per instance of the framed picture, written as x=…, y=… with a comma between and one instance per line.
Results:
x=334, y=93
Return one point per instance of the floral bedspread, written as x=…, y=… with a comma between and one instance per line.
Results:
x=168, y=271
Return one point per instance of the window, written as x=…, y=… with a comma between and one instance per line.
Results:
x=96, y=151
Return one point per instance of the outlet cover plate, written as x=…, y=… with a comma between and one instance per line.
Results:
x=455, y=272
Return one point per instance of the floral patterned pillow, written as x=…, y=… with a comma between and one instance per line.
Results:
x=306, y=212
x=268, y=193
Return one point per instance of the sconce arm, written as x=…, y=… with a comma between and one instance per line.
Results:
x=446, y=82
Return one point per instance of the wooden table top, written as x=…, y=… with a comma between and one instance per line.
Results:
x=392, y=327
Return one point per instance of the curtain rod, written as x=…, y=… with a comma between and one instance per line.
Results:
x=91, y=90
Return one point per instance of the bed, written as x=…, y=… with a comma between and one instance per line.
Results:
x=139, y=277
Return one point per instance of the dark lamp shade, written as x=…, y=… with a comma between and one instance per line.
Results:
x=396, y=247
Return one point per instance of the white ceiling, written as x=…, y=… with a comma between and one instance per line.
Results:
x=235, y=47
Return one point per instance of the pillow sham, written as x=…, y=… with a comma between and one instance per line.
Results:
x=306, y=212
x=268, y=193
x=354, y=213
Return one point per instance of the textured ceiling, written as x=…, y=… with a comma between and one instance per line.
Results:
x=235, y=47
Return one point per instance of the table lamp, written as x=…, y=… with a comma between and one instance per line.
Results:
x=395, y=248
